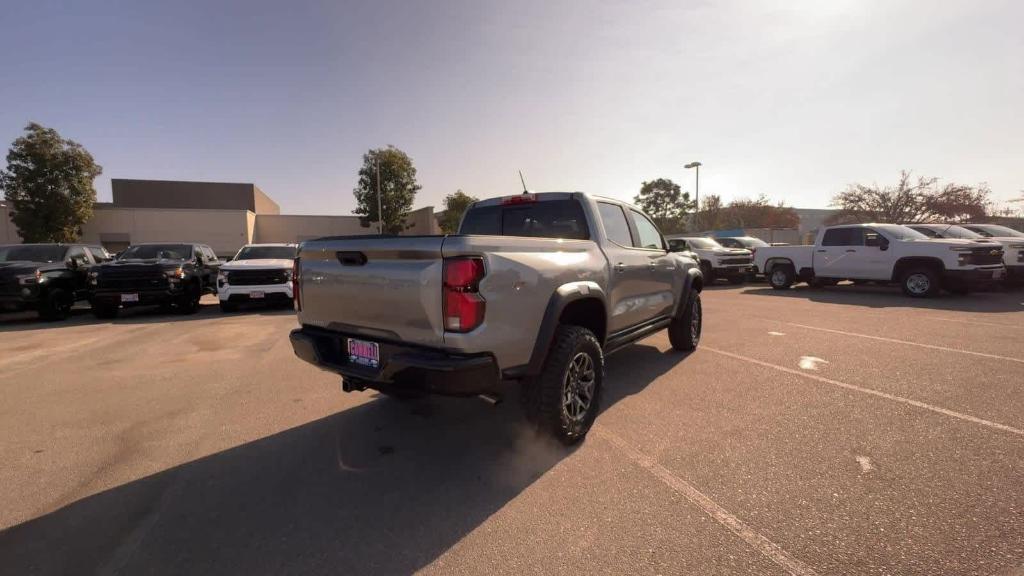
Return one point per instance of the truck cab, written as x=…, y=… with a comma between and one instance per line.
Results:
x=47, y=278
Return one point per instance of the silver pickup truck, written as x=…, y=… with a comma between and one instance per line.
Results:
x=535, y=289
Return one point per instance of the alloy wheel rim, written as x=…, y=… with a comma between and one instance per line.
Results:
x=578, y=387
x=918, y=283
x=778, y=277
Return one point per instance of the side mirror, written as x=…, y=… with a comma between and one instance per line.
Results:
x=884, y=245
x=71, y=263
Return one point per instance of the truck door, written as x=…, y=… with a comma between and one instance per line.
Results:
x=835, y=257
x=627, y=269
x=659, y=291
x=874, y=260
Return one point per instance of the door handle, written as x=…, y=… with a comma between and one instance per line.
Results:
x=620, y=267
x=822, y=251
x=851, y=250
x=652, y=266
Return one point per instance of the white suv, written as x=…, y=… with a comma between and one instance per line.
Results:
x=258, y=273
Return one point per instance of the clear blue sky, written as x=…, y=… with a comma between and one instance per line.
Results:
x=793, y=99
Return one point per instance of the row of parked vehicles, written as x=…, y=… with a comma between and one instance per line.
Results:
x=922, y=258
x=51, y=278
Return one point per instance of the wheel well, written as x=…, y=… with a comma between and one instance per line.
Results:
x=697, y=285
x=588, y=313
x=769, y=265
x=904, y=263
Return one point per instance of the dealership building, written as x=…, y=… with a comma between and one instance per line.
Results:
x=225, y=216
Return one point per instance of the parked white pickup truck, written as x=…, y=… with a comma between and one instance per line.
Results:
x=884, y=253
x=258, y=273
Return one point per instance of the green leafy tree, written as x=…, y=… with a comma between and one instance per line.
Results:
x=48, y=184
x=398, y=187
x=666, y=203
x=454, y=207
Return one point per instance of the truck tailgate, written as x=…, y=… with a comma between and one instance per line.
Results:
x=383, y=288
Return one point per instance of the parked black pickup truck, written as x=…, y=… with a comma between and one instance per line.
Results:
x=48, y=278
x=171, y=275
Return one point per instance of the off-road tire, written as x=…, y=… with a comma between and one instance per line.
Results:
x=920, y=282
x=781, y=277
x=708, y=271
x=56, y=305
x=188, y=303
x=685, y=329
x=544, y=395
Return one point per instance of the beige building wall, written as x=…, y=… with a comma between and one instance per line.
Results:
x=223, y=230
x=191, y=195
x=288, y=228
x=8, y=233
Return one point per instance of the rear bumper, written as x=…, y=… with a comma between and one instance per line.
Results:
x=401, y=366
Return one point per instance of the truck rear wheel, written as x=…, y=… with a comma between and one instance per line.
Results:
x=565, y=398
x=781, y=277
x=684, y=331
x=920, y=282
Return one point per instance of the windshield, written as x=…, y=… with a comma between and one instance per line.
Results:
x=266, y=253
x=704, y=243
x=752, y=242
x=898, y=232
x=32, y=253
x=995, y=230
x=157, y=251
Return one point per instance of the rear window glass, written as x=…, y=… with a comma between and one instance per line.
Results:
x=843, y=237
x=615, y=225
x=545, y=219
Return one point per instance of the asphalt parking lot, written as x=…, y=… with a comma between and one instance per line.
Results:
x=845, y=430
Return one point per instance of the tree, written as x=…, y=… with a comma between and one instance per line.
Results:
x=665, y=203
x=760, y=213
x=398, y=187
x=712, y=213
x=454, y=207
x=910, y=201
x=48, y=184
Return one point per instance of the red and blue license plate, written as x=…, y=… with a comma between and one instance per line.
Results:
x=363, y=353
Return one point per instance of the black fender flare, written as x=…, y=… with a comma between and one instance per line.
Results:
x=692, y=274
x=565, y=294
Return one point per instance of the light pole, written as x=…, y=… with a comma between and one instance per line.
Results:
x=696, y=193
x=380, y=214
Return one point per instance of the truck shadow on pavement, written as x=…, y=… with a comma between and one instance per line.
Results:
x=82, y=316
x=386, y=487
x=891, y=297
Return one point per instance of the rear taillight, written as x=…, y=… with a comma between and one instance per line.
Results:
x=297, y=284
x=463, y=305
x=525, y=198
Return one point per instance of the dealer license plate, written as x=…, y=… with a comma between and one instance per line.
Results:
x=363, y=353
x=129, y=297
x=256, y=294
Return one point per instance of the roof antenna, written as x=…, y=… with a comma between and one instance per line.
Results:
x=525, y=191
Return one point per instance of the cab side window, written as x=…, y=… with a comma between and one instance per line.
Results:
x=649, y=237
x=615, y=225
x=843, y=237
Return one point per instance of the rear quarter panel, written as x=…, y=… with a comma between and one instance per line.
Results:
x=522, y=275
x=800, y=256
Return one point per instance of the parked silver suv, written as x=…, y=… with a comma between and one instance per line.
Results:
x=535, y=289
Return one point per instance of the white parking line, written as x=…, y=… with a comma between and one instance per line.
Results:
x=978, y=322
x=887, y=396
x=769, y=549
x=909, y=343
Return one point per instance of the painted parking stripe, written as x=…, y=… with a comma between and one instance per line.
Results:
x=878, y=393
x=755, y=540
x=909, y=343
